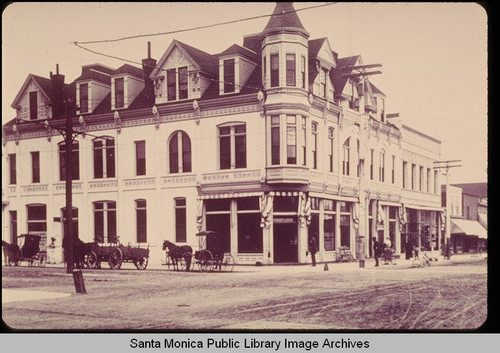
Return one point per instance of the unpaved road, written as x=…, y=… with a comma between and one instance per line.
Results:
x=286, y=297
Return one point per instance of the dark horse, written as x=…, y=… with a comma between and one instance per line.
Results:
x=177, y=253
x=12, y=253
x=80, y=251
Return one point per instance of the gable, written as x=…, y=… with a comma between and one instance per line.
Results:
x=175, y=56
x=30, y=85
x=325, y=53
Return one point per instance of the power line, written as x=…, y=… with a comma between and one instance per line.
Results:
x=199, y=27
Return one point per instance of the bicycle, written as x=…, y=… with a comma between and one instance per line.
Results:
x=421, y=262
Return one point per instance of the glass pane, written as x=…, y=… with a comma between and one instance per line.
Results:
x=286, y=204
x=225, y=152
x=141, y=203
x=37, y=213
x=110, y=161
x=180, y=202
x=225, y=130
x=241, y=151
x=249, y=233
x=345, y=230
x=112, y=238
x=180, y=225
x=99, y=226
x=98, y=170
x=329, y=230
x=217, y=205
x=345, y=206
x=248, y=203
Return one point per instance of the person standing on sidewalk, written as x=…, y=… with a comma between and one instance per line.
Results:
x=313, y=249
x=376, y=250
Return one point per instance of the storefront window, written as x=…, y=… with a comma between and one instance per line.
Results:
x=249, y=230
x=286, y=204
x=329, y=229
x=345, y=230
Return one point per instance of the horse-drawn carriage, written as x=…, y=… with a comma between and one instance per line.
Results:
x=32, y=250
x=211, y=255
x=91, y=255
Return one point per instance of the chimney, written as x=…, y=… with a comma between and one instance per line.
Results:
x=58, y=94
x=148, y=66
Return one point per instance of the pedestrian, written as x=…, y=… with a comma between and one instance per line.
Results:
x=51, y=256
x=313, y=249
x=408, y=250
x=376, y=250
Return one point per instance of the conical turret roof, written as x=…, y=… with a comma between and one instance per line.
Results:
x=284, y=18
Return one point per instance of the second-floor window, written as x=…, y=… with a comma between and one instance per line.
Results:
x=275, y=140
x=436, y=182
x=232, y=146
x=140, y=157
x=35, y=167
x=275, y=70
x=33, y=105
x=12, y=169
x=290, y=70
x=393, y=170
x=347, y=157
x=84, y=98
x=179, y=152
x=371, y=163
x=413, y=176
x=104, y=158
x=428, y=180
x=330, y=148
x=119, y=93
x=421, y=179
x=229, y=76
x=75, y=161
x=405, y=165
x=303, y=70
x=381, y=168
x=304, y=140
x=314, y=130
x=291, y=139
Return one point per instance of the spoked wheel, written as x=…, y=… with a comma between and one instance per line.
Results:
x=205, y=261
x=115, y=259
x=416, y=263
x=227, y=263
x=141, y=263
x=43, y=260
x=92, y=261
x=185, y=261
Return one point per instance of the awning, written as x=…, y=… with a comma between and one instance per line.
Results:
x=468, y=227
x=231, y=195
x=424, y=208
x=390, y=203
x=333, y=197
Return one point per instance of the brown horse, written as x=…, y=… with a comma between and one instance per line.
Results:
x=12, y=253
x=177, y=253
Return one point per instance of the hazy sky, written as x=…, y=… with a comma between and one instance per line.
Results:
x=433, y=55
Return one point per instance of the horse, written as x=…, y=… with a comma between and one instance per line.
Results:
x=80, y=250
x=12, y=253
x=176, y=253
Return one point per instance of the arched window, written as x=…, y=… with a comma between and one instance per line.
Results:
x=104, y=157
x=346, y=156
x=179, y=151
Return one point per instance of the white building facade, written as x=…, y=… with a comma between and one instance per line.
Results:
x=267, y=143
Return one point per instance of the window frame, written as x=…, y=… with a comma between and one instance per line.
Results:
x=119, y=93
x=33, y=104
x=229, y=68
x=331, y=139
x=291, y=69
x=181, y=140
x=140, y=157
x=84, y=103
x=314, y=147
x=346, y=152
x=237, y=139
x=12, y=169
x=141, y=225
x=35, y=166
x=36, y=221
x=75, y=160
x=106, y=166
x=275, y=72
x=107, y=211
x=180, y=210
x=291, y=140
x=275, y=140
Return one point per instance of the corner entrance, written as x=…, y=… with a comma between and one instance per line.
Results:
x=285, y=239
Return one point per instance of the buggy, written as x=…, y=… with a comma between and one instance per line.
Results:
x=211, y=254
x=33, y=250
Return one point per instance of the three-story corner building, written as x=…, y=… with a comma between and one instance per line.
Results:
x=268, y=143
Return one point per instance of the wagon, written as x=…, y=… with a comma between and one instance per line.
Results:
x=32, y=250
x=211, y=255
x=115, y=254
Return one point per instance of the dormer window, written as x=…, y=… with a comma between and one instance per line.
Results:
x=84, y=98
x=322, y=82
x=229, y=76
x=177, y=87
x=290, y=70
x=33, y=105
x=119, y=92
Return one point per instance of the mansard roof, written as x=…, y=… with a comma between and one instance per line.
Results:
x=94, y=75
x=284, y=18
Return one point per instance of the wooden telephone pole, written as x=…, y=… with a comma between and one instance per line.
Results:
x=446, y=165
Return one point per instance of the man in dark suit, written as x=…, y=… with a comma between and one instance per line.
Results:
x=376, y=250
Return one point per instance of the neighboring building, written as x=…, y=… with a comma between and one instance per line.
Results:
x=469, y=210
x=268, y=143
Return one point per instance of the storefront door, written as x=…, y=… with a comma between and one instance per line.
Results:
x=285, y=239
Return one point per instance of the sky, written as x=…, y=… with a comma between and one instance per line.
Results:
x=433, y=55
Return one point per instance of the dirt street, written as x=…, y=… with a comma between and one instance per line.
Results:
x=447, y=296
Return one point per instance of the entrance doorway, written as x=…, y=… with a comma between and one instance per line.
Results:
x=285, y=239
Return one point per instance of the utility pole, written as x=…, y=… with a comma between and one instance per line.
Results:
x=68, y=222
x=446, y=165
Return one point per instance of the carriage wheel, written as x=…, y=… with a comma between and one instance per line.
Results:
x=185, y=261
x=227, y=263
x=16, y=257
x=205, y=261
x=115, y=259
x=92, y=261
x=141, y=263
